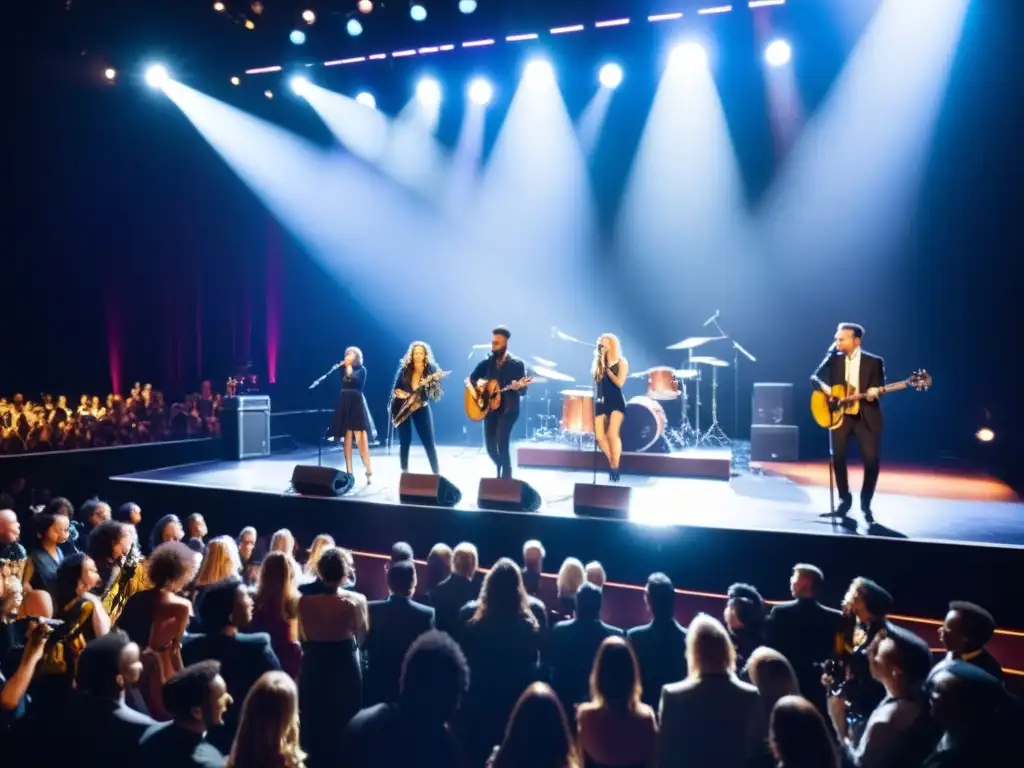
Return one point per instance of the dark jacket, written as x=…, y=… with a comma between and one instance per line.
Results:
x=572, y=647
x=448, y=597
x=660, y=649
x=395, y=624
x=511, y=369
x=832, y=371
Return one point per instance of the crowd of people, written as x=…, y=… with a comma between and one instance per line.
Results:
x=244, y=651
x=53, y=424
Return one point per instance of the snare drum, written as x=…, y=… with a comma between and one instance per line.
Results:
x=662, y=384
x=578, y=411
x=644, y=424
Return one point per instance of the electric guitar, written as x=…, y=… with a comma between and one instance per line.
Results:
x=828, y=412
x=481, y=400
x=403, y=408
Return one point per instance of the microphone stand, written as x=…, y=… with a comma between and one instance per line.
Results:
x=831, y=446
x=593, y=401
x=320, y=442
x=737, y=348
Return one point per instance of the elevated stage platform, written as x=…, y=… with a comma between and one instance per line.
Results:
x=709, y=464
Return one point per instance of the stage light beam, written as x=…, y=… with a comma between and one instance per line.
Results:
x=689, y=57
x=539, y=72
x=110, y=74
x=481, y=92
x=366, y=99
x=157, y=76
x=778, y=53
x=428, y=91
x=610, y=76
x=467, y=6
x=299, y=84
x=354, y=28
x=418, y=13
x=297, y=36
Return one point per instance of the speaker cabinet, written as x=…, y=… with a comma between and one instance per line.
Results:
x=611, y=501
x=773, y=403
x=245, y=427
x=428, y=490
x=774, y=442
x=507, y=495
x=321, y=481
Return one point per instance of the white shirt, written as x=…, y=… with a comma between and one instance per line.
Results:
x=853, y=369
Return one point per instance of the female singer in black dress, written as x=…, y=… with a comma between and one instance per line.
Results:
x=352, y=415
x=610, y=370
x=414, y=367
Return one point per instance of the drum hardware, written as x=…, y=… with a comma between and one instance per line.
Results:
x=544, y=361
x=643, y=425
x=551, y=374
x=693, y=342
x=714, y=434
x=736, y=350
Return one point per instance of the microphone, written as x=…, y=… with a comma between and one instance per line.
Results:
x=712, y=319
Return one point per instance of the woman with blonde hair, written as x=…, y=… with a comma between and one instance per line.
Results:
x=276, y=610
x=316, y=549
x=268, y=732
x=220, y=562
x=615, y=727
x=537, y=735
x=415, y=370
x=571, y=577
x=609, y=370
x=352, y=418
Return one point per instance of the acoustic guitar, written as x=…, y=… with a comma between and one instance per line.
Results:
x=829, y=413
x=403, y=408
x=480, y=401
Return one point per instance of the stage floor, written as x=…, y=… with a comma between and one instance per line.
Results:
x=751, y=500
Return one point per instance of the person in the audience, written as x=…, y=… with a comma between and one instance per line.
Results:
x=316, y=587
x=439, y=568
x=332, y=623
x=533, y=566
x=574, y=643
x=660, y=646
x=81, y=611
x=450, y=595
x=900, y=661
x=107, y=544
x=11, y=549
x=414, y=730
x=711, y=718
x=108, y=666
x=964, y=633
x=571, y=577
x=537, y=734
x=89, y=515
x=615, y=728
x=197, y=699
x=595, y=574
x=804, y=631
x=745, y=615
x=130, y=513
x=246, y=553
x=773, y=676
x=52, y=530
x=220, y=563
x=276, y=610
x=316, y=549
x=400, y=552
x=13, y=691
x=502, y=643
x=196, y=530
x=226, y=609
x=799, y=737
x=395, y=623
x=167, y=528
x=268, y=731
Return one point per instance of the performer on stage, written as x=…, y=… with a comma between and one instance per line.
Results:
x=508, y=371
x=352, y=415
x=609, y=371
x=863, y=372
x=415, y=366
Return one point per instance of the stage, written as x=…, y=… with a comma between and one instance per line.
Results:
x=758, y=499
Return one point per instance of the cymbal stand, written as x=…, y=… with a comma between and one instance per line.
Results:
x=714, y=435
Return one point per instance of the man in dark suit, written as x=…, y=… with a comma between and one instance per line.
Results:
x=660, y=646
x=574, y=645
x=804, y=631
x=459, y=588
x=395, y=624
x=864, y=373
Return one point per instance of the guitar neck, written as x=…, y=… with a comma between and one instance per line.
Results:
x=883, y=390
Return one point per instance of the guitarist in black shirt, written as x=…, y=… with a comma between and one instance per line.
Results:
x=509, y=372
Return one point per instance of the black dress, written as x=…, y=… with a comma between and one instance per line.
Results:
x=609, y=394
x=352, y=414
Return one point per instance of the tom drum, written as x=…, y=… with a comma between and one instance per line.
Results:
x=662, y=384
x=578, y=411
x=644, y=424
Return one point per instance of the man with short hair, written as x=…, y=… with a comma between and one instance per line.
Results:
x=595, y=574
x=964, y=632
x=249, y=570
x=459, y=588
x=861, y=372
x=509, y=372
x=197, y=698
x=195, y=533
x=533, y=566
x=574, y=643
x=660, y=646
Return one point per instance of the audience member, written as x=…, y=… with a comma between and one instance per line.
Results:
x=268, y=731
x=400, y=552
x=52, y=530
x=246, y=553
x=537, y=735
x=276, y=610
x=660, y=646
x=533, y=566
x=11, y=550
x=571, y=577
x=316, y=549
x=745, y=619
x=595, y=574
x=773, y=676
x=196, y=530
x=167, y=528
x=220, y=563
x=450, y=595
x=964, y=633
x=574, y=643
x=799, y=737
x=439, y=568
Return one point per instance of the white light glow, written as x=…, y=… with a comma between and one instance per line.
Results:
x=366, y=99
x=110, y=73
x=539, y=72
x=157, y=75
x=610, y=76
x=299, y=84
x=467, y=6
x=354, y=28
x=309, y=17
x=689, y=57
x=778, y=53
x=481, y=92
x=418, y=13
x=985, y=435
x=297, y=36
x=365, y=6
x=428, y=91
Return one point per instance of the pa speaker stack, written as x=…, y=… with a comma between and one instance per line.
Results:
x=428, y=490
x=610, y=501
x=507, y=495
x=773, y=435
x=321, y=481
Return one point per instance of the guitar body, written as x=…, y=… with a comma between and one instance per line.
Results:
x=403, y=408
x=827, y=418
x=479, y=404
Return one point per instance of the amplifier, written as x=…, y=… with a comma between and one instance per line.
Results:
x=773, y=403
x=774, y=442
x=245, y=427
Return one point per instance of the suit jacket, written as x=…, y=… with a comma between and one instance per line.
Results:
x=804, y=632
x=832, y=371
x=448, y=597
x=395, y=624
x=714, y=721
x=573, y=645
x=660, y=649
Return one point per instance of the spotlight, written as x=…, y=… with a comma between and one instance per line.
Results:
x=366, y=99
x=539, y=72
x=610, y=76
x=236, y=81
x=299, y=84
x=309, y=17
x=778, y=53
x=354, y=28
x=297, y=36
x=250, y=24
x=689, y=57
x=418, y=13
x=268, y=93
x=428, y=91
x=218, y=7
x=985, y=435
x=365, y=6
x=157, y=75
x=481, y=92
x=110, y=73
x=467, y=6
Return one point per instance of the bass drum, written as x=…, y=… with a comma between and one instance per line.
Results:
x=644, y=424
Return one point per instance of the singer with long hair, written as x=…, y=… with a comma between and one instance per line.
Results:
x=352, y=418
x=609, y=370
x=416, y=365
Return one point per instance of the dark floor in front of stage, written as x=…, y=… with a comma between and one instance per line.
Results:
x=750, y=500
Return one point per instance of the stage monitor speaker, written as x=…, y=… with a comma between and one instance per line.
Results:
x=428, y=490
x=773, y=403
x=321, y=481
x=769, y=442
x=610, y=501
x=507, y=495
x=245, y=427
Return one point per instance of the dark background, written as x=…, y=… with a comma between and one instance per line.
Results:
x=134, y=252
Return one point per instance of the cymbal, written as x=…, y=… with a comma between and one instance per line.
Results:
x=544, y=361
x=553, y=375
x=714, y=362
x=693, y=342
x=539, y=380
x=481, y=346
x=684, y=373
